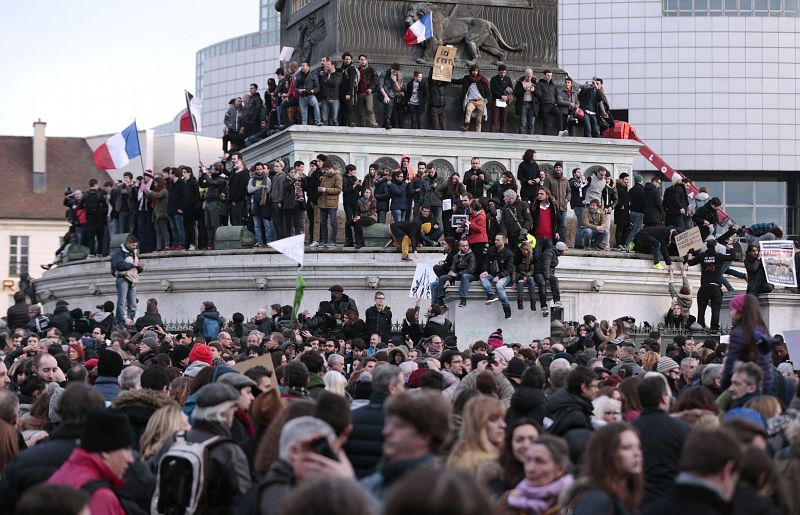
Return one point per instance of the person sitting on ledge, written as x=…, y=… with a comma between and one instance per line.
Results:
x=407, y=235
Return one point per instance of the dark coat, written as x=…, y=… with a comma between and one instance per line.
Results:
x=500, y=263
x=686, y=499
x=546, y=92
x=519, y=96
x=516, y=220
x=422, y=92
x=364, y=448
x=527, y=172
x=399, y=194
x=675, y=199
x=498, y=86
x=108, y=387
x=178, y=198
x=378, y=322
x=199, y=324
x=652, y=205
x=33, y=466
x=568, y=412
x=17, y=315
x=636, y=198
x=139, y=405
x=662, y=438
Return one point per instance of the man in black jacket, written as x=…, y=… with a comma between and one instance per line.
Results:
x=636, y=201
x=571, y=408
x=475, y=178
x=176, y=208
x=577, y=191
x=662, y=437
x=215, y=185
x=417, y=98
x=237, y=190
x=516, y=220
x=652, y=202
x=547, y=92
x=710, y=291
x=191, y=207
x=367, y=84
x=378, y=318
x=438, y=103
x=315, y=174
x=499, y=268
x=350, y=79
x=35, y=465
x=544, y=271
x=501, y=89
x=706, y=217
x=622, y=211
x=330, y=88
x=462, y=270
x=676, y=205
x=364, y=447
x=474, y=94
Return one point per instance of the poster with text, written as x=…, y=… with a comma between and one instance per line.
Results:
x=688, y=240
x=778, y=259
x=443, y=63
x=421, y=285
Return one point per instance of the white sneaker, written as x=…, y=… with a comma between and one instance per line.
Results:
x=314, y=244
x=191, y=247
x=557, y=304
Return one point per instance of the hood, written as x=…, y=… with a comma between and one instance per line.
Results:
x=142, y=397
x=526, y=399
x=194, y=368
x=438, y=319
x=562, y=400
x=649, y=186
x=211, y=313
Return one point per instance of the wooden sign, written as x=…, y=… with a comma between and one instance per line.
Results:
x=688, y=240
x=443, y=63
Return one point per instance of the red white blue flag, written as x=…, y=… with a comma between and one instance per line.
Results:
x=118, y=150
x=420, y=30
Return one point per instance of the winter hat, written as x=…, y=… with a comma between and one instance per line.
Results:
x=90, y=363
x=515, y=369
x=213, y=395
x=109, y=364
x=451, y=342
x=106, y=306
x=106, y=431
x=786, y=369
x=201, y=353
x=748, y=414
x=561, y=246
x=222, y=370
x=496, y=339
x=180, y=353
x=150, y=341
x=666, y=364
x=237, y=381
x=503, y=355
x=415, y=379
x=62, y=303
x=637, y=179
x=737, y=302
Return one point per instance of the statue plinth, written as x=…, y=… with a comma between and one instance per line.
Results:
x=520, y=33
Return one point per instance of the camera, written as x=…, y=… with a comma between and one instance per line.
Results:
x=67, y=191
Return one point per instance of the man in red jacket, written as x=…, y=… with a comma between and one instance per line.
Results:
x=98, y=464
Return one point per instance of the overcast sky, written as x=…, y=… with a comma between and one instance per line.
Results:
x=89, y=67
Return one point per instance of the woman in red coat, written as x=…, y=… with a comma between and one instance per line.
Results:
x=476, y=235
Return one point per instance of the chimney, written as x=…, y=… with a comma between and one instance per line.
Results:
x=39, y=157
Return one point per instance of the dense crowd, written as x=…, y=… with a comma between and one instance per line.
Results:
x=331, y=413
x=346, y=96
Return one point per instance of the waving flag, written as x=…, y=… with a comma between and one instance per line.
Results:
x=190, y=119
x=118, y=150
x=420, y=30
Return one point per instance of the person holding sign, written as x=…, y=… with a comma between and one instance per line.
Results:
x=756, y=276
x=710, y=291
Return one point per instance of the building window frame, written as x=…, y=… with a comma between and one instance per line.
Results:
x=18, y=255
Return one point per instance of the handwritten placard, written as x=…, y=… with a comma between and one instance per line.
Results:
x=421, y=285
x=443, y=63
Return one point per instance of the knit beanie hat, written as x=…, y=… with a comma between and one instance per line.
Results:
x=109, y=363
x=516, y=367
x=737, y=302
x=180, y=353
x=415, y=379
x=496, y=339
x=637, y=179
x=201, y=353
x=748, y=414
x=106, y=431
x=503, y=355
x=665, y=364
x=150, y=341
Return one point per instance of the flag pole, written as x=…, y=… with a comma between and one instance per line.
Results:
x=194, y=126
x=141, y=159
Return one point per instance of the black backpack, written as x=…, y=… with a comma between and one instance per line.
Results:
x=93, y=202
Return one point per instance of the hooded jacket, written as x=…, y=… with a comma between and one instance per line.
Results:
x=527, y=402
x=199, y=323
x=652, y=204
x=83, y=467
x=364, y=447
x=568, y=412
x=139, y=405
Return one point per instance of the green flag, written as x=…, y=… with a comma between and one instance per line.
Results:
x=298, y=295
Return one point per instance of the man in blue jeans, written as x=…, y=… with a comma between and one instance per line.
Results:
x=499, y=267
x=126, y=266
x=307, y=86
x=463, y=270
x=636, y=198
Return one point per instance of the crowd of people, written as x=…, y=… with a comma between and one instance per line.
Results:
x=334, y=413
x=345, y=94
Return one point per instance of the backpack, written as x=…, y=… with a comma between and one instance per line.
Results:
x=210, y=328
x=93, y=203
x=181, y=479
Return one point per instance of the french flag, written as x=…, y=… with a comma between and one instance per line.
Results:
x=190, y=119
x=420, y=30
x=118, y=150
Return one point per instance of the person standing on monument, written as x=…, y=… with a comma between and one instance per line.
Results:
x=390, y=86
x=547, y=93
x=367, y=83
x=306, y=85
x=126, y=267
x=330, y=87
x=417, y=95
x=350, y=79
x=527, y=104
x=330, y=187
x=501, y=89
x=474, y=92
x=438, y=102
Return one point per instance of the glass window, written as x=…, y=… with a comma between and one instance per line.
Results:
x=790, y=5
x=771, y=193
x=742, y=215
x=685, y=5
x=771, y=214
x=715, y=4
x=700, y=4
x=715, y=189
x=18, y=255
x=670, y=5
x=731, y=5
x=761, y=5
x=738, y=192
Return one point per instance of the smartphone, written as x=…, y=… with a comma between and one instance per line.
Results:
x=320, y=446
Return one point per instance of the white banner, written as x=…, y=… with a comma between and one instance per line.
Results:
x=421, y=285
x=777, y=256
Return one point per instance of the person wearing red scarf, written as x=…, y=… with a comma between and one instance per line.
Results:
x=475, y=91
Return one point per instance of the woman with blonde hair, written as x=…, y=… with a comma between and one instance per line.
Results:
x=165, y=422
x=650, y=361
x=482, y=433
x=335, y=382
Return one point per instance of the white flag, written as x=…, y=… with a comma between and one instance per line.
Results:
x=292, y=247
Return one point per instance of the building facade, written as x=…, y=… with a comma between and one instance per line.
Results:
x=226, y=69
x=711, y=85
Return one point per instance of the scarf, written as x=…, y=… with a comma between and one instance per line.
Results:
x=243, y=417
x=537, y=499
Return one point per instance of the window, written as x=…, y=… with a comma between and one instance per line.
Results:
x=18, y=256
x=750, y=202
x=730, y=7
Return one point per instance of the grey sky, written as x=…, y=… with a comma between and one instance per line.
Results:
x=90, y=66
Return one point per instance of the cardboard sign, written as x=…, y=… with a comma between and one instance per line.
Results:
x=421, y=285
x=688, y=240
x=443, y=63
x=286, y=53
x=777, y=257
x=265, y=360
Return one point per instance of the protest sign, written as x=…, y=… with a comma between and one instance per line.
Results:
x=443, y=63
x=777, y=257
x=421, y=285
x=792, y=339
x=688, y=240
x=286, y=53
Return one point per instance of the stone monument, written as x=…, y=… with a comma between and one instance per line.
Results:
x=519, y=33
